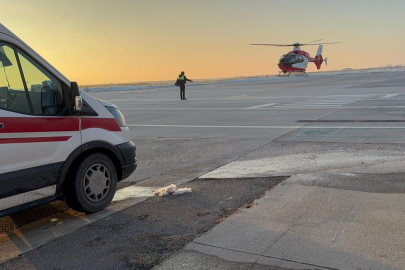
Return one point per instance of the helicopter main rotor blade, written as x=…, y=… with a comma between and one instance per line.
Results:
x=295, y=44
x=277, y=45
x=313, y=41
x=319, y=43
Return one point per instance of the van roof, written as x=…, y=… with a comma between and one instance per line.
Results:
x=4, y=30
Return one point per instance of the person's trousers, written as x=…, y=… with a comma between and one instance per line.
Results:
x=182, y=91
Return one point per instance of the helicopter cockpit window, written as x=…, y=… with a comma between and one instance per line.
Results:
x=289, y=59
x=281, y=58
x=299, y=59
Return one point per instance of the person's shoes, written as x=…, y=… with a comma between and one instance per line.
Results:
x=184, y=99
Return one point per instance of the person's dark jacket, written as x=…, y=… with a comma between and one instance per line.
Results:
x=183, y=82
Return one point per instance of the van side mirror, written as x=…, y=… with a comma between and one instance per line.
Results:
x=76, y=98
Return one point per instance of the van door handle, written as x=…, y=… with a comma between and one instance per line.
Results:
x=1, y=125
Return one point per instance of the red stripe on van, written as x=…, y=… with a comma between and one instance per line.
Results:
x=34, y=140
x=55, y=124
x=38, y=124
x=109, y=124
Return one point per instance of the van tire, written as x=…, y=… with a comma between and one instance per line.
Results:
x=93, y=184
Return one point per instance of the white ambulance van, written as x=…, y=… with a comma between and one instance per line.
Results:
x=56, y=143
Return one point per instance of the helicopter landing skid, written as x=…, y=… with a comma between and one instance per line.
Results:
x=288, y=74
x=283, y=74
x=300, y=73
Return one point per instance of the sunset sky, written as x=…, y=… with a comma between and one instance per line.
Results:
x=119, y=41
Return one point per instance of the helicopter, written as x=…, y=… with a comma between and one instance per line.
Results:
x=296, y=61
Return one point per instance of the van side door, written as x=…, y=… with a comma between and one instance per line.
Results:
x=37, y=134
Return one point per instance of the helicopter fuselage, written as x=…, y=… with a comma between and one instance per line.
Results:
x=297, y=60
x=294, y=61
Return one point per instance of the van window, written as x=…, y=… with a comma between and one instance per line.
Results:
x=45, y=90
x=12, y=92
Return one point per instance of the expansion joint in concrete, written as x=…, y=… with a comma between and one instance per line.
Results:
x=271, y=257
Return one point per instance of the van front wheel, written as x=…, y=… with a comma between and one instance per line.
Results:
x=94, y=184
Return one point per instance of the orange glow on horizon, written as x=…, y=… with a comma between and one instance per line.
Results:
x=101, y=41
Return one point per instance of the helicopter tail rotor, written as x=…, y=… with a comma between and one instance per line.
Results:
x=319, y=58
x=326, y=61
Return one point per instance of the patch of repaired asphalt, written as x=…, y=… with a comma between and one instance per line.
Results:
x=142, y=236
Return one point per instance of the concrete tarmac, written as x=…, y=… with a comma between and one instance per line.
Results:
x=338, y=210
x=339, y=138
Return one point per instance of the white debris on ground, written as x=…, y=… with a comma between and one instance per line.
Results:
x=181, y=191
x=172, y=189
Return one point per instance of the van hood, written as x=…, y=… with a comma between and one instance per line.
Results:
x=107, y=104
x=87, y=97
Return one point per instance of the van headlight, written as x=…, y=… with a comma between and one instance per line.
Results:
x=118, y=115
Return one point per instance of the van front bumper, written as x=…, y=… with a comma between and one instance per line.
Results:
x=128, y=151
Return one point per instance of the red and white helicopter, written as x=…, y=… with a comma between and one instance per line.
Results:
x=296, y=61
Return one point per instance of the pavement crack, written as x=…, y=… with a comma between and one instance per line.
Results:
x=272, y=257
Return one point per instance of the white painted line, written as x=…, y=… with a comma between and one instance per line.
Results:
x=167, y=109
x=232, y=97
x=260, y=106
x=309, y=105
x=339, y=99
x=313, y=107
x=390, y=96
x=194, y=126
x=351, y=127
x=276, y=107
x=41, y=232
x=362, y=95
x=372, y=107
x=272, y=127
x=379, y=99
x=320, y=103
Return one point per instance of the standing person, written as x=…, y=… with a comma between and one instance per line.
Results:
x=181, y=81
